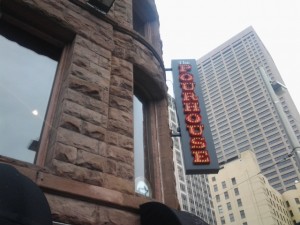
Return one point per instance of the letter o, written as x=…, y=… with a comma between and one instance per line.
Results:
x=193, y=118
x=186, y=77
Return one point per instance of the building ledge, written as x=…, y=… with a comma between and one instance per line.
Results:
x=62, y=186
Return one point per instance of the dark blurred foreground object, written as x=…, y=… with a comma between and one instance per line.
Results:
x=21, y=201
x=160, y=214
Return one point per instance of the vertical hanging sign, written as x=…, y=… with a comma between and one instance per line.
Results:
x=196, y=139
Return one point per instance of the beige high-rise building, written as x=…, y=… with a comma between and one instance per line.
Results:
x=243, y=196
x=241, y=113
x=292, y=201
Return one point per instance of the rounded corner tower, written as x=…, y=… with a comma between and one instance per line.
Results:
x=84, y=154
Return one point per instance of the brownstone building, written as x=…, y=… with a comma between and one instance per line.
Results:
x=69, y=74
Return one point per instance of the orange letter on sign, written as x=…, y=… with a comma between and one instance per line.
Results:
x=189, y=97
x=193, y=118
x=189, y=86
x=201, y=157
x=184, y=68
x=198, y=143
x=186, y=77
x=191, y=107
x=195, y=130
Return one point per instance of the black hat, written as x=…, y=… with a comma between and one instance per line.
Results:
x=21, y=201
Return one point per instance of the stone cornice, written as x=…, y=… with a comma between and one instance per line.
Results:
x=121, y=29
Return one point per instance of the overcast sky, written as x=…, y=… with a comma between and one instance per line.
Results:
x=192, y=28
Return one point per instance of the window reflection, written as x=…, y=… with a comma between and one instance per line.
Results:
x=142, y=185
x=26, y=80
x=139, y=167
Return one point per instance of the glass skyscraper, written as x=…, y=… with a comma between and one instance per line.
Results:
x=241, y=113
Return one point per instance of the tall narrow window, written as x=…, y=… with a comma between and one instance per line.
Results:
x=242, y=213
x=223, y=184
x=218, y=198
x=229, y=206
x=215, y=187
x=139, y=163
x=222, y=220
x=226, y=195
x=236, y=191
x=239, y=202
x=233, y=180
x=141, y=183
x=149, y=179
x=220, y=209
x=28, y=68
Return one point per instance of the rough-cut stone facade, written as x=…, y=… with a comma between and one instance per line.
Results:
x=85, y=161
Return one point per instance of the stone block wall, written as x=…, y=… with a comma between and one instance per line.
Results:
x=85, y=161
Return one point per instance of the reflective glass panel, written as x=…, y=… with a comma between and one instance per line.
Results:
x=26, y=79
x=138, y=138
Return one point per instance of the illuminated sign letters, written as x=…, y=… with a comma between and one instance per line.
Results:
x=197, y=144
x=192, y=110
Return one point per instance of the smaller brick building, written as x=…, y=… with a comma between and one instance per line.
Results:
x=83, y=155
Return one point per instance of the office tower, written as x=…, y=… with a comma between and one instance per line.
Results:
x=240, y=111
x=192, y=190
x=242, y=195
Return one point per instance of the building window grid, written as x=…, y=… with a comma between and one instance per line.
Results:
x=255, y=90
x=290, y=167
x=235, y=75
x=209, y=76
x=277, y=146
x=260, y=159
x=230, y=155
x=245, y=104
x=257, y=95
x=290, y=181
x=281, y=157
x=235, y=78
x=249, y=74
x=220, y=69
x=264, y=164
x=243, y=59
x=237, y=47
x=246, y=66
x=240, y=54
